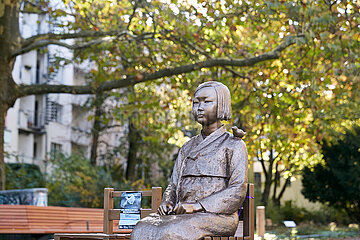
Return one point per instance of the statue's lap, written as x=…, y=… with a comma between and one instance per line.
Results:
x=185, y=226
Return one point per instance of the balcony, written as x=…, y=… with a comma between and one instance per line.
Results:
x=31, y=122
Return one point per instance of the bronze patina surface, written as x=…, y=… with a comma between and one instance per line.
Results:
x=208, y=183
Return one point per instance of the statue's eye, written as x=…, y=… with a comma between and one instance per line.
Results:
x=208, y=101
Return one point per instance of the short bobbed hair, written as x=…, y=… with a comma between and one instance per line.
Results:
x=223, y=98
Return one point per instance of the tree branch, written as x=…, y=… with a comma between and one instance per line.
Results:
x=25, y=90
x=34, y=12
x=132, y=15
x=287, y=182
x=262, y=164
x=62, y=44
x=82, y=34
x=43, y=40
x=53, y=36
x=206, y=54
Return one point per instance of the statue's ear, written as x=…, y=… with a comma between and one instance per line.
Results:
x=239, y=133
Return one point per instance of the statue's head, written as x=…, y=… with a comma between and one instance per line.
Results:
x=212, y=102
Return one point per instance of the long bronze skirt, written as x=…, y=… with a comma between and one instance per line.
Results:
x=185, y=226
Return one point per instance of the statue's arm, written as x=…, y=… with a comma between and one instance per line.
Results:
x=228, y=200
x=169, y=197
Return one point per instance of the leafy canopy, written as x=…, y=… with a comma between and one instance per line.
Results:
x=287, y=106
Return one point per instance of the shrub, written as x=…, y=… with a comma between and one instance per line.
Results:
x=337, y=182
x=74, y=182
x=23, y=175
x=289, y=211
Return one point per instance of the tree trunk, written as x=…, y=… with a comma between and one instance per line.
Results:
x=275, y=200
x=266, y=193
x=95, y=133
x=133, y=148
x=286, y=184
x=9, y=42
x=268, y=181
x=8, y=95
x=2, y=160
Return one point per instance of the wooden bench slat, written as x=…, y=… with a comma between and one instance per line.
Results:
x=18, y=219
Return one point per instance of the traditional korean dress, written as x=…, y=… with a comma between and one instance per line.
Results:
x=211, y=171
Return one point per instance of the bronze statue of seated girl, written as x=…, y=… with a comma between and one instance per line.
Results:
x=208, y=183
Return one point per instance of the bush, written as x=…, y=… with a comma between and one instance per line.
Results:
x=292, y=212
x=23, y=175
x=289, y=211
x=337, y=182
x=272, y=211
x=74, y=182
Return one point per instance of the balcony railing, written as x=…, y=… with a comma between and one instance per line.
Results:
x=30, y=120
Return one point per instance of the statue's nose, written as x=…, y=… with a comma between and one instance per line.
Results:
x=200, y=107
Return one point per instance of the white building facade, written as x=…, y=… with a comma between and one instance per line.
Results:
x=39, y=125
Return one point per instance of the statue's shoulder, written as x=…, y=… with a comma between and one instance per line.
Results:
x=235, y=140
x=190, y=142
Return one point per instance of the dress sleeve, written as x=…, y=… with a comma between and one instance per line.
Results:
x=170, y=195
x=228, y=200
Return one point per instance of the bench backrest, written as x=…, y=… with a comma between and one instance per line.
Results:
x=248, y=213
x=28, y=219
x=111, y=214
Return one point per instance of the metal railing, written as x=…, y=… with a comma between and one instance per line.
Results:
x=31, y=120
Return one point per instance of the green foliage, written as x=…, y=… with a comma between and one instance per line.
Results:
x=300, y=215
x=288, y=211
x=23, y=175
x=287, y=106
x=273, y=212
x=295, y=213
x=337, y=181
x=74, y=182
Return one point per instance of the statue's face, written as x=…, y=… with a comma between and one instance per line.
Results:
x=205, y=106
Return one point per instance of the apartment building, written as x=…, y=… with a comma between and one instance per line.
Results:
x=37, y=126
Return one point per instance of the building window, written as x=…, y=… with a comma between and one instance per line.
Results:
x=7, y=136
x=38, y=73
x=55, y=149
x=35, y=150
x=55, y=113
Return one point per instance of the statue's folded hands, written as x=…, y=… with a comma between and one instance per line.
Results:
x=182, y=208
x=165, y=209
